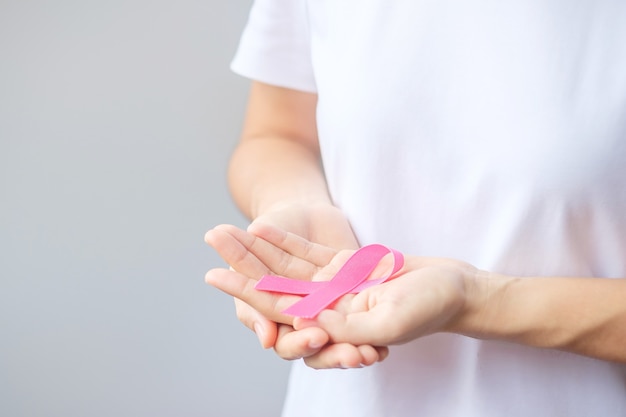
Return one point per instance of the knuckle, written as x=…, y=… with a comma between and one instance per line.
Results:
x=286, y=354
x=312, y=363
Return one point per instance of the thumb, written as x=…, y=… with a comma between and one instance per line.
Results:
x=362, y=328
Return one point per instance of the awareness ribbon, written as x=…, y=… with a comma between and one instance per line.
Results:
x=351, y=278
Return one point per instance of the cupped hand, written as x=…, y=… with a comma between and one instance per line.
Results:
x=242, y=251
x=233, y=245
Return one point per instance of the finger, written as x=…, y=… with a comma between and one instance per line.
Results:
x=235, y=253
x=274, y=258
x=383, y=352
x=291, y=344
x=265, y=330
x=372, y=354
x=293, y=244
x=240, y=286
x=374, y=327
x=342, y=355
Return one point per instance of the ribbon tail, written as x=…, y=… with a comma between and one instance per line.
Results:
x=284, y=285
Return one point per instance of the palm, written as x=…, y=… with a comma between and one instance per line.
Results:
x=322, y=223
x=278, y=252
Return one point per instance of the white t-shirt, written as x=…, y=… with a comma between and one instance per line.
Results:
x=488, y=131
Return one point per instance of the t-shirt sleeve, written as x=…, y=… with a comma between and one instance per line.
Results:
x=275, y=45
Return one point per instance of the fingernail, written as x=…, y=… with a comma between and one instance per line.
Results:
x=315, y=344
x=260, y=333
x=345, y=366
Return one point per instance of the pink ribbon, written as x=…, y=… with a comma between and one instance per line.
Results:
x=351, y=278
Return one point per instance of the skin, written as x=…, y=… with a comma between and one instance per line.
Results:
x=253, y=256
x=276, y=179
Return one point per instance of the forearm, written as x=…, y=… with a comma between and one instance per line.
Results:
x=278, y=159
x=270, y=170
x=581, y=315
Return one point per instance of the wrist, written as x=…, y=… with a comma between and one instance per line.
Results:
x=484, y=295
x=286, y=204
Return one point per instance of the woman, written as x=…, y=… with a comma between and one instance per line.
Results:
x=472, y=136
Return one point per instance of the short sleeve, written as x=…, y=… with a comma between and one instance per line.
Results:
x=275, y=45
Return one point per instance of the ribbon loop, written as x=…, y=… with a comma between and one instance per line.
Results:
x=351, y=278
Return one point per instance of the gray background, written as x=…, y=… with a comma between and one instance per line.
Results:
x=116, y=121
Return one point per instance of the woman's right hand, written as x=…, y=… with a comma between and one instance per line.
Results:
x=318, y=223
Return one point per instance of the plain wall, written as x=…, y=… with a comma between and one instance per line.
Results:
x=117, y=118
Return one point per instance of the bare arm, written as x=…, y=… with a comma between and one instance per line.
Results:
x=277, y=160
x=580, y=315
